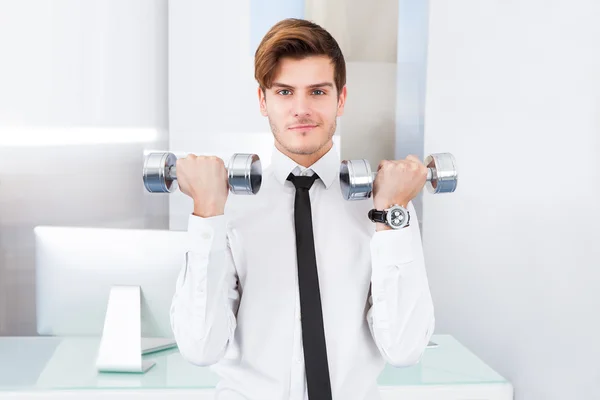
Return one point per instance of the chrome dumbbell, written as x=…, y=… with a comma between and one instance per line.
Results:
x=356, y=178
x=244, y=173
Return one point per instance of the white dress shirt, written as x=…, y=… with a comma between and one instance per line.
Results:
x=237, y=305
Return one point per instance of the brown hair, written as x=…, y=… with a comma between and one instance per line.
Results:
x=296, y=38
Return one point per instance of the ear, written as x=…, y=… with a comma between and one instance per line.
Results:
x=262, y=100
x=342, y=101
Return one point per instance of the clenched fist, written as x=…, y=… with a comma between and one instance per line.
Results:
x=204, y=179
x=398, y=182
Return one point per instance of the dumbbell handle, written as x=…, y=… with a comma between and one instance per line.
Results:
x=357, y=177
x=171, y=173
x=244, y=173
x=430, y=174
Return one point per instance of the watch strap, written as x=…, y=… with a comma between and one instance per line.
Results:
x=377, y=216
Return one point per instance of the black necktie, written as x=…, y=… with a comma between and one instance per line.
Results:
x=313, y=333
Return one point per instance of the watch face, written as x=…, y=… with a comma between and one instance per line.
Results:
x=396, y=217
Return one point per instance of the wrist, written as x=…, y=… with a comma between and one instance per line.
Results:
x=208, y=210
x=383, y=204
x=382, y=227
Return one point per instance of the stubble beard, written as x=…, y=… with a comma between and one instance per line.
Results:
x=302, y=151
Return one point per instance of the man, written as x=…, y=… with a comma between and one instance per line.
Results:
x=275, y=314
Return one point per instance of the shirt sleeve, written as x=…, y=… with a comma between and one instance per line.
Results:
x=204, y=307
x=400, y=315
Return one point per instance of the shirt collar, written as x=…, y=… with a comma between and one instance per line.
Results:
x=327, y=167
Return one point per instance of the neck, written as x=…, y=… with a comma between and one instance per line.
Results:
x=306, y=160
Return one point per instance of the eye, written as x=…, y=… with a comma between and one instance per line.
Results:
x=284, y=92
x=318, y=92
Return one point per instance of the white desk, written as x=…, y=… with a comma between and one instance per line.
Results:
x=63, y=368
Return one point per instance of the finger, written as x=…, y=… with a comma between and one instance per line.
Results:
x=416, y=163
x=382, y=164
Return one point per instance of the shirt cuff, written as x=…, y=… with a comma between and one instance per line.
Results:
x=206, y=234
x=392, y=247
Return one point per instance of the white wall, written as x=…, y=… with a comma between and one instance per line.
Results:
x=513, y=254
x=70, y=64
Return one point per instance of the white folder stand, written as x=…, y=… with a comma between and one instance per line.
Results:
x=121, y=345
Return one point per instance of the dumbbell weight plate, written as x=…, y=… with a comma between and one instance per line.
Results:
x=444, y=173
x=356, y=179
x=155, y=167
x=244, y=173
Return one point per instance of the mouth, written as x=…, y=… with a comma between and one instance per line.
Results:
x=305, y=127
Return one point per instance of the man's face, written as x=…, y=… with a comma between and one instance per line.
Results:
x=302, y=104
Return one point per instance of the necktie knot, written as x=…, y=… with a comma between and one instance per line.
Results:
x=302, y=182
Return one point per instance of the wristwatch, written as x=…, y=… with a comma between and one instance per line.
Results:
x=396, y=217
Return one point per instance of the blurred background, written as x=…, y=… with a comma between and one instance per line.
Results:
x=512, y=89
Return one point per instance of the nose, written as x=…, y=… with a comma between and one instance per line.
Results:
x=301, y=106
